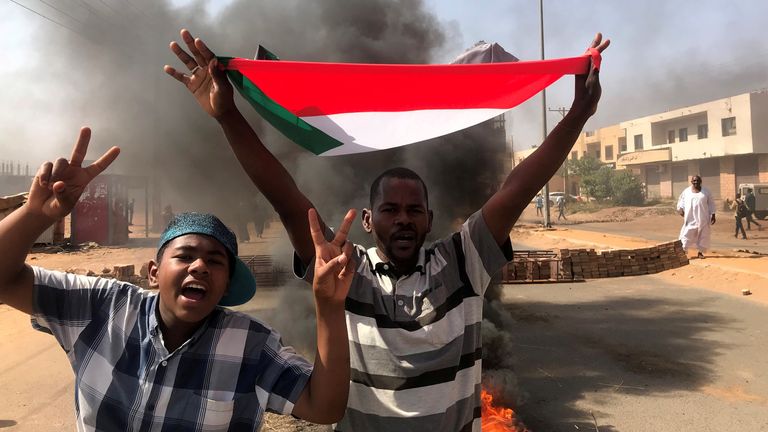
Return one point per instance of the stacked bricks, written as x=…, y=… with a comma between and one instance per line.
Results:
x=530, y=269
x=588, y=264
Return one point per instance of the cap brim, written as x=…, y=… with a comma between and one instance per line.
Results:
x=242, y=286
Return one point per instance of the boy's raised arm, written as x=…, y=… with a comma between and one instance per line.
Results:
x=324, y=399
x=503, y=209
x=214, y=93
x=54, y=192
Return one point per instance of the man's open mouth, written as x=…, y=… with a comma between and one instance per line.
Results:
x=406, y=238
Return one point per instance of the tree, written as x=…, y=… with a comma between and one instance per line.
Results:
x=627, y=190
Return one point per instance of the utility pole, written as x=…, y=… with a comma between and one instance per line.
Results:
x=563, y=111
x=547, y=222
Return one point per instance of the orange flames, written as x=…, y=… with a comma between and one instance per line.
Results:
x=498, y=419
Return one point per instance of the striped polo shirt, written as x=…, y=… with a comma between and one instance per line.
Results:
x=223, y=378
x=415, y=341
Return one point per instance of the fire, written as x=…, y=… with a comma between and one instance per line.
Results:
x=498, y=419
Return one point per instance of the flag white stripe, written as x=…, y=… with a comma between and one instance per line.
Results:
x=383, y=130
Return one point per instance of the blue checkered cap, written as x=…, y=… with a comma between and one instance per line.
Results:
x=242, y=285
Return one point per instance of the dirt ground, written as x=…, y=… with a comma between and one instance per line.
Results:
x=37, y=382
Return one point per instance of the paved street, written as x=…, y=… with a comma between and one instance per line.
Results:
x=641, y=355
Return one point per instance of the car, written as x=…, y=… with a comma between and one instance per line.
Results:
x=554, y=196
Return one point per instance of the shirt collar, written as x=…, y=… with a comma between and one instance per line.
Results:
x=386, y=268
x=154, y=325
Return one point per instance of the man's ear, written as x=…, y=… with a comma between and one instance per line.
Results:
x=429, y=225
x=152, y=269
x=365, y=216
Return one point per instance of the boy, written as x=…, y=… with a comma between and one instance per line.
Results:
x=176, y=360
x=413, y=312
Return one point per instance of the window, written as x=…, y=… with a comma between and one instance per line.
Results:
x=670, y=137
x=638, y=142
x=703, y=132
x=609, y=152
x=574, y=155
x=589, y=133
x=622, y=144
x=597, y=153
x=683, y=134
x=729, y=126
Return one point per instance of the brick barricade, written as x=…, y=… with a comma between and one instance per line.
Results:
x=588, y=264
x=580, y=264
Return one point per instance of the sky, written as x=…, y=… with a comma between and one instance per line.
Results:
x=664, y=54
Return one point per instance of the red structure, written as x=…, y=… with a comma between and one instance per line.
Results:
x=101, y=214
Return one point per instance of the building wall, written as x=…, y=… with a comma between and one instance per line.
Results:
x=763, y=165
x=727, y=177
x=759, y=103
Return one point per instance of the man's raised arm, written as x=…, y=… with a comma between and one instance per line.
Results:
x=214, y=93
x=503, y=209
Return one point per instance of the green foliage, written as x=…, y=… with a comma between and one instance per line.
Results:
x=626, y=189
x=598, y=184
x=602, y=182
x=584, y=167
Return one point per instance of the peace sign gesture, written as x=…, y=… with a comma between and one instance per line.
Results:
x=334, y=266
x=58, y=185
x=205, y=80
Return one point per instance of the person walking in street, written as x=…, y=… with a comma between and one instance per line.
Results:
x=750, y=202
x=539, y=205
x=561, y=208
x=740, y=211
x=697, y=207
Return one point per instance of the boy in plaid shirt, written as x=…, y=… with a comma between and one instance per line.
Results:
x=175, y=360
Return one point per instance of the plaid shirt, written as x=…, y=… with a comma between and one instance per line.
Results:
x=223, y=378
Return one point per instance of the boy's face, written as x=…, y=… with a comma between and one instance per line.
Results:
x=192, y=276
x=399, y=220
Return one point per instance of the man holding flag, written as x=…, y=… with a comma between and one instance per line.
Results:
x=413, y=312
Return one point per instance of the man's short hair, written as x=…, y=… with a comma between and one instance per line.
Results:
x=398, y=173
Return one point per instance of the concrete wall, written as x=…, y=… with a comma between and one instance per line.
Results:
x=763, y=166
x=727, y=177
x=759, y=104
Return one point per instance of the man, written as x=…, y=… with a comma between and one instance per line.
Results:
x=750, y=202
x=175, y=359
x=539, y=205
x=561, y=208
x=740, y=210
x=413, y=312
x=697, y=208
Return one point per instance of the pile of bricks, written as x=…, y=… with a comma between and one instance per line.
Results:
x=532, y=266
x=121, y=272
x=588, y=264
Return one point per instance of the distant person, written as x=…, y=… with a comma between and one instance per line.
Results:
x=740, y=211
x=167, y=215
x=750, y=202
x=561, y=208
x=176, y=359
x=697, y=208
x=131, y=203
x=539, y=205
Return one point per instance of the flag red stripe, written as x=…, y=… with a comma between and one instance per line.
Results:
x=310, y=89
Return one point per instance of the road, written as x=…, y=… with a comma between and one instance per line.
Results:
x=641, y=355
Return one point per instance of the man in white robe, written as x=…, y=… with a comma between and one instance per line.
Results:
x=697, y=208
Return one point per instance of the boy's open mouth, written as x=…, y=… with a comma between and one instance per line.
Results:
x=193, y=292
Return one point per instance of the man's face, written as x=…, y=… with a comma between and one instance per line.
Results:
x=696, y=182
x=399, y=220
x=192, y=277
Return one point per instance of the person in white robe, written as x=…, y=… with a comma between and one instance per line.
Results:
x=697, y=207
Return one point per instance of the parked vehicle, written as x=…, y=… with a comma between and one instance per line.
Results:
x=761, y=197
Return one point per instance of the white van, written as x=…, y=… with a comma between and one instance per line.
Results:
x=761, y=197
